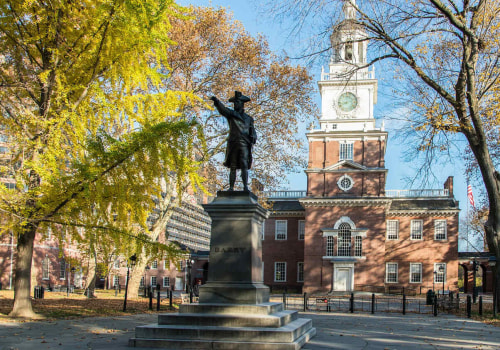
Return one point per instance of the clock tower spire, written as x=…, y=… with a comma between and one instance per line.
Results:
x=346, y=154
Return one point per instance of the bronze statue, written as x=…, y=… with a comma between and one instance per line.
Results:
x=242, y=137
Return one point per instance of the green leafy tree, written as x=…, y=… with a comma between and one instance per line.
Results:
x=91, y=129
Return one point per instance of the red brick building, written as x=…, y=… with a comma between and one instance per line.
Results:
x=346, y=232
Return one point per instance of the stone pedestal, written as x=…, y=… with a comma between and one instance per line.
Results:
x=235, y=263
x=234, y=310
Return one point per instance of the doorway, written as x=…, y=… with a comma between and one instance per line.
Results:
x=343, y=279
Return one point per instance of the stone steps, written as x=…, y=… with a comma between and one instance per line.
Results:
x=245, y=309
x=227, y=326
x=275, y=320
x=179, y=344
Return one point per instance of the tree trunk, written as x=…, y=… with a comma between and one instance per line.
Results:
x=136, y=275
x=91, y=275
x=22, y=278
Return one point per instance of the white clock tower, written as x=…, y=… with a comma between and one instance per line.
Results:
x=346, y=154
x=348, y=90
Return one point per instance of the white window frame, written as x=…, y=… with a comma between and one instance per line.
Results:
x=46, y=269
x=154, y=265
x=413, y=229
x=300, y=271
x=389, y=233
x=346, y=150
x=358, y=246
x=279, y=235
x=166, y=279
x=142, y=282
x=301, y=234
x=387, y=264
x=344, y=244
x=116, y=280
x=116, y=263
x=165, y=267
x=280, y=268
x=155, y=281
x=419, y=272
x=438, y=276
x=437, y=227
x=62, y=270
x=330, y=246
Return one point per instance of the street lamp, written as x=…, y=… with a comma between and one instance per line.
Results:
x=434, y=280
x=474, y=288
x=131, y=263
x=189, y=266
x=442, y=271
x=492, y=261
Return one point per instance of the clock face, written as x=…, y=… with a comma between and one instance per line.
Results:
x=347, y=102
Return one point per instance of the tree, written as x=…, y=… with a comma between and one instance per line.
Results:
x=214, y=55
x=448, y=53
x=89, y=124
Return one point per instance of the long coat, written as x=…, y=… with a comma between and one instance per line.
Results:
x=241, y=133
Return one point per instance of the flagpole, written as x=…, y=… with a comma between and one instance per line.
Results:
x=468, y=222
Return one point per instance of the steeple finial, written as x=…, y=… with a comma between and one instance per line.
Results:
x=349, y=9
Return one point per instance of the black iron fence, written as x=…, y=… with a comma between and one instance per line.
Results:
x=431, y=303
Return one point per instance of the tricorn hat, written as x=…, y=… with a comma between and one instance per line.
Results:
x=238, y=96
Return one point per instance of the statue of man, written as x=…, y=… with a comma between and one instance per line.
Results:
x=241, y=138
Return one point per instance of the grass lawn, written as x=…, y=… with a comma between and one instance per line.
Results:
x=56, y=305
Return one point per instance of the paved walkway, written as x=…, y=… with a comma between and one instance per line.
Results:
x=334, y=331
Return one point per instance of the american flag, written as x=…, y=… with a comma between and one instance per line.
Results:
x=470, y=195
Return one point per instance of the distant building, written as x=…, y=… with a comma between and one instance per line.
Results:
x=346, y=232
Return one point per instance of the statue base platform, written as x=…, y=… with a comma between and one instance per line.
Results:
x=227, y=326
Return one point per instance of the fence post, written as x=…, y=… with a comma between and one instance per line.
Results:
x=468, y=306
x=150, y=300
x=305, y=302
x=404, y=304
x=284, y=300
x=351, y=303
x=435, y=305
x=480, y=305
x=373, y=303
x=170, y=298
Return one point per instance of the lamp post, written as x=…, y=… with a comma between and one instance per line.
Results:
x=433, y=281
x=442, y=271
x=474, y=289
x=189, y=266
x=131, y=263
x=492, y=261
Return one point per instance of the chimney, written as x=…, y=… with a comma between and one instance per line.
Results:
x=448, y=185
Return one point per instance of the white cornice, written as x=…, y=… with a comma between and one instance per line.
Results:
x=345, y=170
x=288, y=213
x=423, y=212
x=345, y=202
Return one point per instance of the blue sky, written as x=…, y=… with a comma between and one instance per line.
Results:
x=255, y=21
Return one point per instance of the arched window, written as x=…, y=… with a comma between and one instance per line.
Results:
x=344, y=240
x=348, y=52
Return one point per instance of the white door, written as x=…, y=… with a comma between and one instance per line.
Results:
x=343, y=279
